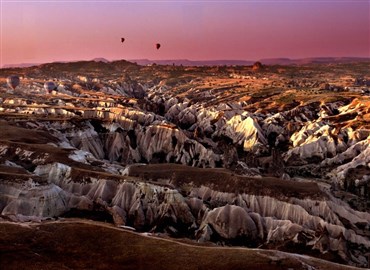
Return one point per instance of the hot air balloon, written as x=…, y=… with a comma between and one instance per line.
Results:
x=13, y=81
x=49, y=86
x=122, y=40
x=157, y=46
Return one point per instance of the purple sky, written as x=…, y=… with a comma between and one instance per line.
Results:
x=45, y=31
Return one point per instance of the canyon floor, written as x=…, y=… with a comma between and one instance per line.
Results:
x=274, y=160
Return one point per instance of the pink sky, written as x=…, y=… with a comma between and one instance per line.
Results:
x=46, y=31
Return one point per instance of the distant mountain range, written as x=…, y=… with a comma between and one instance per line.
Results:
x=25, y=65
x=186, y=62
x=267, y=61
x=21, y=65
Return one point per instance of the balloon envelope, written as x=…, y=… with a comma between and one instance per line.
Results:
x=49, y=86
x=157, y=46
x=122, y=40
x=13, y=81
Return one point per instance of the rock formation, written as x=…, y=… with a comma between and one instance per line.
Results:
x=191, y=154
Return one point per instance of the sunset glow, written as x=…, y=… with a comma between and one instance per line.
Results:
x=38, y=31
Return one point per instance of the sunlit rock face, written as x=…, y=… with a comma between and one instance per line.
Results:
x=167, y=128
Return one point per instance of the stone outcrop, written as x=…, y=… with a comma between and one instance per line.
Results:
x=204, y=213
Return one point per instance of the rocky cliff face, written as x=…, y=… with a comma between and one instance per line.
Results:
x=269, y=214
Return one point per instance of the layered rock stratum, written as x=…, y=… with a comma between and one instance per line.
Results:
x=227, y=155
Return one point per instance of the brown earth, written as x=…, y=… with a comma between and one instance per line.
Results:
x=226, y=181
x=93, y=245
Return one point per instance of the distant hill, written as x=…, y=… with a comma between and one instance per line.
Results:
x=267, y=61
x=100, y=59
x=67, y=69
x=313, y=60
x=186, y=62
x=86, y=66
x=25, y=65
x=22, y=65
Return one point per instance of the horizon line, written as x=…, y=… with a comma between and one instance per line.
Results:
x=4, y=66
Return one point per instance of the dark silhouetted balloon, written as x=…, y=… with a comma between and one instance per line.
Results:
x=157, y=46
x=49, y=86
x=122, y=40
x=13, y=81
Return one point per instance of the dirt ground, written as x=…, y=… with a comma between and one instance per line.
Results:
x=77, y=244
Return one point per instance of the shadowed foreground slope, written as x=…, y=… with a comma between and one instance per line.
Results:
x=94, y=245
